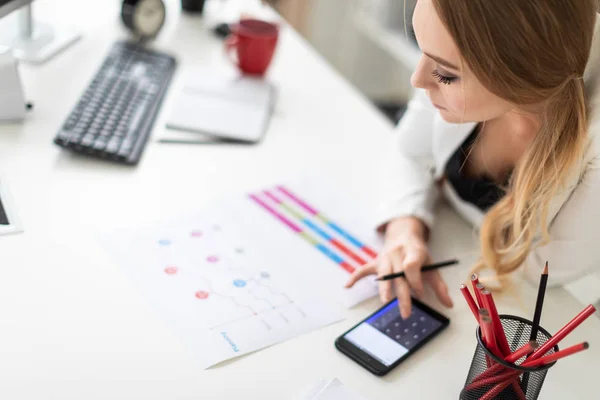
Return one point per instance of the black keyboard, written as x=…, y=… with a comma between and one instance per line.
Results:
x=114, y=116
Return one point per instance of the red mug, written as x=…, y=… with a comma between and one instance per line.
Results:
x=254, y=42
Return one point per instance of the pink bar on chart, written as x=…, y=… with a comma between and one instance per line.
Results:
x=297, y=200
x=280, y=217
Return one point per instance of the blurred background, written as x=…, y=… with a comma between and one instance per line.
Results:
x=370, y=42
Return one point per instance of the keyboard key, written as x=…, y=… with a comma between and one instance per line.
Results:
x=88, y=140
x=113, y=145
x=63, y=136
x=100, y=144
x=77, y=132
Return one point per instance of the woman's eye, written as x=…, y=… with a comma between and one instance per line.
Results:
x=446, y=80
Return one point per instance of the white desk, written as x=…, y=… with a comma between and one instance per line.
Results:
x=73, y=327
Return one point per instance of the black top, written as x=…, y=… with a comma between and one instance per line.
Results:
x=479, y=191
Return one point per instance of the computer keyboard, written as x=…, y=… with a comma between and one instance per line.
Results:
x=114, y=116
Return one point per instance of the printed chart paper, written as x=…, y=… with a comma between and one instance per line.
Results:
x=248, y=271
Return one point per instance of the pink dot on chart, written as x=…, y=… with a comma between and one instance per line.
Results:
x=171, y=270
x=196, y=233
x=201, y=294
x=212, y=259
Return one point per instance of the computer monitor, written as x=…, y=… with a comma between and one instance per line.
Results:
x=33, y=42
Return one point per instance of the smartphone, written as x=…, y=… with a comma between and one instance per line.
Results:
x=384, y=339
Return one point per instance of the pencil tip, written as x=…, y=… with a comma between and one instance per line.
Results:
x=586, y=345
x=534, y=344
x=545, y=271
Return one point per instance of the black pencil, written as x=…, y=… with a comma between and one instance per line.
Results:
x=425, y=268
x=537, y=314
x=539, y=304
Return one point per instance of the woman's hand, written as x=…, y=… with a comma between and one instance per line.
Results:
x=404, y=250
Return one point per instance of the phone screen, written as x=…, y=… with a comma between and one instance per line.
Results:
x=386, y=336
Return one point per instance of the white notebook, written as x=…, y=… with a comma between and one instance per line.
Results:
x=234, y=108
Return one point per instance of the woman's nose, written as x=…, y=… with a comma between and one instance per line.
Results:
x=422, y=77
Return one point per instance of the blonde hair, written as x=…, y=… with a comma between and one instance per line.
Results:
x=529, y=53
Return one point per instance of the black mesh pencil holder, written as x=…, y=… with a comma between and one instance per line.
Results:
x=493, y=378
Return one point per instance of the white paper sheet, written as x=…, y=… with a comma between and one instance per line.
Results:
x=235, y=278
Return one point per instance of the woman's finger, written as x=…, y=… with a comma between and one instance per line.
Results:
x=434, y=279
x=403, y=293
x=369, y=268
x=385, y=287
x=413, y=261
x=401, y=286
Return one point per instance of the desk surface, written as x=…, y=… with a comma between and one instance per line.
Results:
x=73, y=327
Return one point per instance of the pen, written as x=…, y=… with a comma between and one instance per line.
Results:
x=426, y=268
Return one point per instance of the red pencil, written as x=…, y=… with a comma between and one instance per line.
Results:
x=556, y=356
x=505, y=378
x=483, y=312
x=496, y=390
x=540, y=351
x=564, y=331
x=488, y=301
x=500, y=378
x=531, y=364
x=486, y=325
x=470, y=301
x=474, y=283
x=490, y=337
x=523, y=351
x=512, y=358
x=480, y=288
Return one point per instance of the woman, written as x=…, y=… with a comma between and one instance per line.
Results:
x=503, y=123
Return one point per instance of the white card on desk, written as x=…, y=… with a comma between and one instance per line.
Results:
x=331, y=390
x=234, y=108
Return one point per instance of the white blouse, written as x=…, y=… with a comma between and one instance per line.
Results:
x=425, y=142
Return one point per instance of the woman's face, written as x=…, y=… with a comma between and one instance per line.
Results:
x=448, y=81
